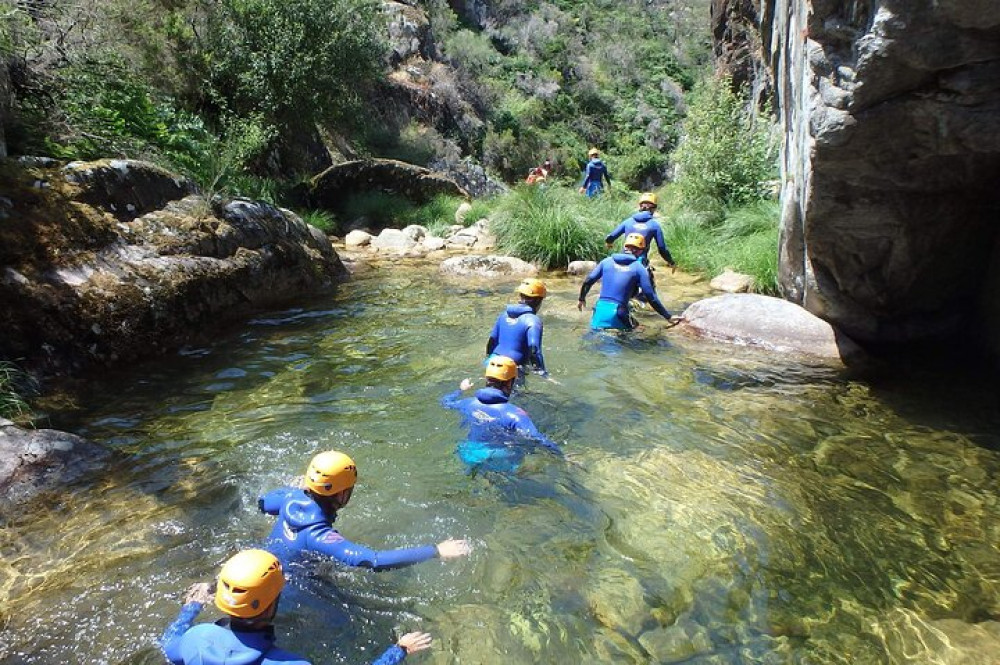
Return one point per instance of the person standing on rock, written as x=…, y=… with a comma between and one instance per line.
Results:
x=306, y=516
x=247, y=591
x=621, y=276
x=517, y=333
x=499, y=433
x=594, y=174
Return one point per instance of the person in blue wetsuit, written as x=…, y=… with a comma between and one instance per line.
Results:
x=306, y=516
x=499, y=433
x=594, y=174
x=517, y=333
x=248, y=590
x=645, y=225
x=621, y=276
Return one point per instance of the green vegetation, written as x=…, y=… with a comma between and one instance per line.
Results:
x=552, y=226
x=553, y=78
x=217, y=90
x=13, y=383
x=384, y=210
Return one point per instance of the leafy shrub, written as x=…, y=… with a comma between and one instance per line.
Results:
x=726, y=153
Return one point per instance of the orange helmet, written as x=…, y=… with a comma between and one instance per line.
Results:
x=592, y=152
x=249, y=583
x=648, y=197
x=532, y=288
x=501, y=368
x=635, y=240
x=330, y=473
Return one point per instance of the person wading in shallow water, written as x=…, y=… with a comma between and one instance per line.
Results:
x=499, y=433
x=248, y=590
x=621, y=276
x=517, y=333
x=306, y=516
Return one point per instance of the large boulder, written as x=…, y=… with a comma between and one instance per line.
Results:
x=393, y=239
x=34, y=461
x=890, y=159
x=409, y=32
x=332, y=186
x=768, y=323
x=79, y=286
x=488, y=266
x=126, y=188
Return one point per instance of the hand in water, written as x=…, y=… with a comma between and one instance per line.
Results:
x=202, y=592
x=452, y=548
x=580, y=304
x=414, y=642
x=465, y=384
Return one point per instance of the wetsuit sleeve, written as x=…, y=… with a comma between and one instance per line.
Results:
x=524, y=427
x=171, y=640
x=647, y=288
x=535, y=345
x=620, y=229
x=592, y=278
x=331, y=543
x=452, y=400
x=661, y=246
x=494, y=339
x=271, y=502
x=391, y=656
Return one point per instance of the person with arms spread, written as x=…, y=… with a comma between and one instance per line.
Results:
x=306, y=516
x=247, y=591
x=621, y=276
x=499, y=433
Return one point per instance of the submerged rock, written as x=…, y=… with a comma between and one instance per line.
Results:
x=488, y=266
x=768, y=323
x=34, y=461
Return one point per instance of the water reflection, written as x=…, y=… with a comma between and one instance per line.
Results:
x=715, y=507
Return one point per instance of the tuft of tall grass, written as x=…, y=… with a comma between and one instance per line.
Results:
x=380, y=208
x=552, y=226
x=321, y=219
x=745, y=239
x=435, y=215
x=13, y=382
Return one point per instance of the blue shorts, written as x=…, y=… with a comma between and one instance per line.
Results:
x=484, y=456
x=609, y=314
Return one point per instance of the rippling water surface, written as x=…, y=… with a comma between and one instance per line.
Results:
x=716, y=506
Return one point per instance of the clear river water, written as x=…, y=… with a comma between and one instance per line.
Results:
x=717, y=505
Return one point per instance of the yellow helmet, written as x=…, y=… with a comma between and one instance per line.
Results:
x=249, y=583
x=635, y=240
x=330, y=473
x=532, y=288
x=501, y=368
x=648, y=197
x=592, y=152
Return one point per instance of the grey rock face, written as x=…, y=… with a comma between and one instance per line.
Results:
x=34, y=461
x=768, y=323
x=414, y=182
x=891, y=160
x=96, y=291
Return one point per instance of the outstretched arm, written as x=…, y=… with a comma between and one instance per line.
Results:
x=611, y=237
x=661, y=247
x=647, y=287
x=195, y=598
x=452, y=400
x=592, y=278
x=331, y=543
x=535, y=346
x=271, y=502
x=525, y=428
